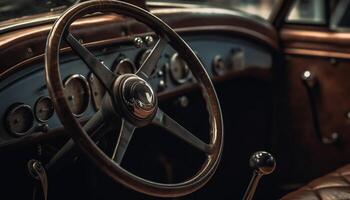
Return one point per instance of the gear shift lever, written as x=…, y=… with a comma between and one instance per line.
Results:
x=262, y=163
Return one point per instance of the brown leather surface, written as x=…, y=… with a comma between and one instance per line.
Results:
x=333, y=186
x=302, y=155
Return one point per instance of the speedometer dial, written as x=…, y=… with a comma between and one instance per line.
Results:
x=77, y=91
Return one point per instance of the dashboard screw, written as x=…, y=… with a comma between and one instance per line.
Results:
x=333, y=61
x=29, y=52
x=160, y=73
x=306, y=75
x=161, y=85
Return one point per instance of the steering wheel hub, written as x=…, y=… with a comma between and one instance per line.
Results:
x=138, y=96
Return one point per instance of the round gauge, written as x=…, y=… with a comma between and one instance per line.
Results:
x=20, y=119
x=77, y=91
x=179, y=70
x=44, y=109
x=124, y=66
x=97, y=91
x=143, y=56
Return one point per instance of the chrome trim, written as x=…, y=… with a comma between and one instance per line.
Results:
x=172, y=4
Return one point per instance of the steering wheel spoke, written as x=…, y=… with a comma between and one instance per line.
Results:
x=125, y=135
x=163, y=120
x=102, y=72
x=94, y=127
x=149, y=65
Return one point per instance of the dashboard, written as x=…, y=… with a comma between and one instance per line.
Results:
x=30, y=109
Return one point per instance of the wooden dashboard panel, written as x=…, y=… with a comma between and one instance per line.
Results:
x=25, y=45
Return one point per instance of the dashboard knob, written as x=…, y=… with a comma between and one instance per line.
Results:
x=149, y=40
x=237, y=59
x=218, y=64
x=138, y=42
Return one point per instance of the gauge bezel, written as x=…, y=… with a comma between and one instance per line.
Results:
x=183, y=80
x=121, y=61
x=87, y=87
x=35, y=107
x=11, y=111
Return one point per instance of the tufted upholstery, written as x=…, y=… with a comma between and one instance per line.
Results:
x=335, y=185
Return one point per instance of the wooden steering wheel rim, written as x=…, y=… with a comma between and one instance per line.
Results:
x=82, y=139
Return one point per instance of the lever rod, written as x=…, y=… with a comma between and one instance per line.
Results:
x=38, y=172
x=262, y=163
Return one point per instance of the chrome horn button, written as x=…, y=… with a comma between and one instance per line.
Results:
x=139, y=97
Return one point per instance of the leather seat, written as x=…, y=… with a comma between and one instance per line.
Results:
x=335, y=185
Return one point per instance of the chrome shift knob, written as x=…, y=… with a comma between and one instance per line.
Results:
x=262, y=163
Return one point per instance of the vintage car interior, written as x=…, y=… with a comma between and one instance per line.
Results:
x=178, y=99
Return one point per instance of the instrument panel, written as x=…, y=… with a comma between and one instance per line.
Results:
x=27, y=107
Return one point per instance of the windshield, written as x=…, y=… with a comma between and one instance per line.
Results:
x=304, y=11
x=11, y=9
x=262, y=8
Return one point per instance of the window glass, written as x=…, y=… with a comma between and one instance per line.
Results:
x=262, y=8
x=304, y=11
x=308, y=12
x=12, y=9
x=340, y=18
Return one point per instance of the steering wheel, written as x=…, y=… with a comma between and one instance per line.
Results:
x=132, y=98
